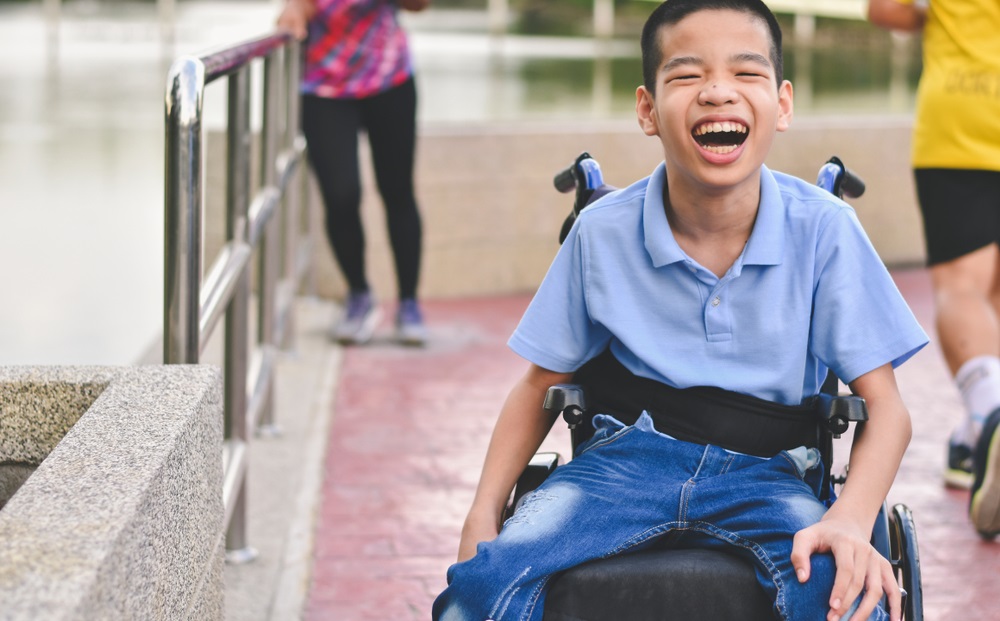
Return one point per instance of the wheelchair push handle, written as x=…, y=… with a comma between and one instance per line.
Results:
x=839, y=180
x=568, y=400
x=837, y=412
x=565, y=180
x=583, y=175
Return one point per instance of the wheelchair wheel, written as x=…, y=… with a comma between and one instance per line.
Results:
x=907, y=561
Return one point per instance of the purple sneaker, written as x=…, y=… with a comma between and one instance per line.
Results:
x=358, y=324
x=410, y=328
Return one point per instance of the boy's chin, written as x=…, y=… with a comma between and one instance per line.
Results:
x=722, y=177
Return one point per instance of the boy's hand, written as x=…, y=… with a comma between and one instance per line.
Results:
x=477, y=528
x=859, y=566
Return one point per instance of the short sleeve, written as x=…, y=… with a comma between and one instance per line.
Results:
x=556, y=331
x=860, y=320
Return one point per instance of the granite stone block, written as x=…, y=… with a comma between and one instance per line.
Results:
x=123, y=517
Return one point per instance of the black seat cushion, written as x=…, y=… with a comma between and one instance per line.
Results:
x=660, y=585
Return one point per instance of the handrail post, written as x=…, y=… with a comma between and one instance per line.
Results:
x=290, y=218
x=237, y=430
x=300, y=209
x=301, y=214
x=270, y=243
x=296, y=193
x=183, y=195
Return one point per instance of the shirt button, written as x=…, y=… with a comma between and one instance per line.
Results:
x=716, y=301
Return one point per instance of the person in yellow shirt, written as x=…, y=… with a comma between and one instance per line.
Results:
x=956, y=163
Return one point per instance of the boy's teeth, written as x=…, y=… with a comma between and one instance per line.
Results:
x=724, y=126
x=731, y=134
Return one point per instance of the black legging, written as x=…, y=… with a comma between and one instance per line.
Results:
x=331, y=127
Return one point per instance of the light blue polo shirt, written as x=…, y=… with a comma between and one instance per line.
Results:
x=808, y=293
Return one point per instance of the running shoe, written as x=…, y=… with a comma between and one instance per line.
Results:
x=358, y=324
x=958, y=474
x=984, y=504
x=410, y=328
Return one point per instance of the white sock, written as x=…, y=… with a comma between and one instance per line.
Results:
x=979, y=383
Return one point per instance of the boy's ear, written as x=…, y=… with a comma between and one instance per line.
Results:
x=645, y=111
x=785, y=106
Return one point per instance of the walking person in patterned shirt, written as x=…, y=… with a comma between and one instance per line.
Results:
x=359, y=76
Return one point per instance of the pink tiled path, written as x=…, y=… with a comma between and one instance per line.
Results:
x=410, y=430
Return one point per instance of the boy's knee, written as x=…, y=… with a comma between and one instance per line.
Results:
x=811, y=599
x=458, y=601
x=479, y=589
x=879, y=614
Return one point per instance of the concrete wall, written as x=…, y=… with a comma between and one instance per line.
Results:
x=491, y=216
x=122, y=515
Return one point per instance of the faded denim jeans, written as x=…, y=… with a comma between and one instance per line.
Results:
x=631, y=484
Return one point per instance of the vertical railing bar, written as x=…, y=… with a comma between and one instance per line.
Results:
x=183, y=196
x=269, y=245
x=291, y=219
x=234, y=476
x=304, y=263
x=238, y=138
x=261, y=384
x=303, y=222
x=284, y=296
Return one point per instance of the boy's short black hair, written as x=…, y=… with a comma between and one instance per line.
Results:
x=673, y=11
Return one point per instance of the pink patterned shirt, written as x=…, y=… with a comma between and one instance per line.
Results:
x=356, y=49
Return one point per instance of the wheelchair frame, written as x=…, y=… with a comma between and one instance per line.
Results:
x=894, y=533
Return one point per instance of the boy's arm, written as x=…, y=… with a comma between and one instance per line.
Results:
x=845, y=530
x=904, y=15
x=519, y=431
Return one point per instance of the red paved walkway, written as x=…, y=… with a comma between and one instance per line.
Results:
x=410, y=430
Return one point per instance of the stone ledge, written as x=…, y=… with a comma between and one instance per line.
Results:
x=123, y=517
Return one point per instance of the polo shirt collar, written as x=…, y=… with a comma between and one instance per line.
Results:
x=767, y=240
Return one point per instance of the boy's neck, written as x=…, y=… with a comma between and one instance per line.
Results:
x=712, y=228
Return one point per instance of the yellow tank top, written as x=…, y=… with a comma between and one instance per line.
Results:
x=958, y=100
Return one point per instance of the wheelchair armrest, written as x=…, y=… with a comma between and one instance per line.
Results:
x=538, y=469
x=837, y=412
x=568, y=400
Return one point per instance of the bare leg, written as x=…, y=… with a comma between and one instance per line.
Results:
x=995, y=292
x=967, y=299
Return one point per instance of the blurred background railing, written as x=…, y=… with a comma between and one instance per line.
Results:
x=263, y=220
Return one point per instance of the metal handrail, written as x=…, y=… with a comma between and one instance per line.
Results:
x=267, y=222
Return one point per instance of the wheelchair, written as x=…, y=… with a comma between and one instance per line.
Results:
x=687, y=584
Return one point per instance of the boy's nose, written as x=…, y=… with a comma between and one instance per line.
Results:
x=717, y=93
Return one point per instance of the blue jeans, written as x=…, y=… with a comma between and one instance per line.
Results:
x=629, y=485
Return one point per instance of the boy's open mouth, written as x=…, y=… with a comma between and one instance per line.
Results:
x=720, y=136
